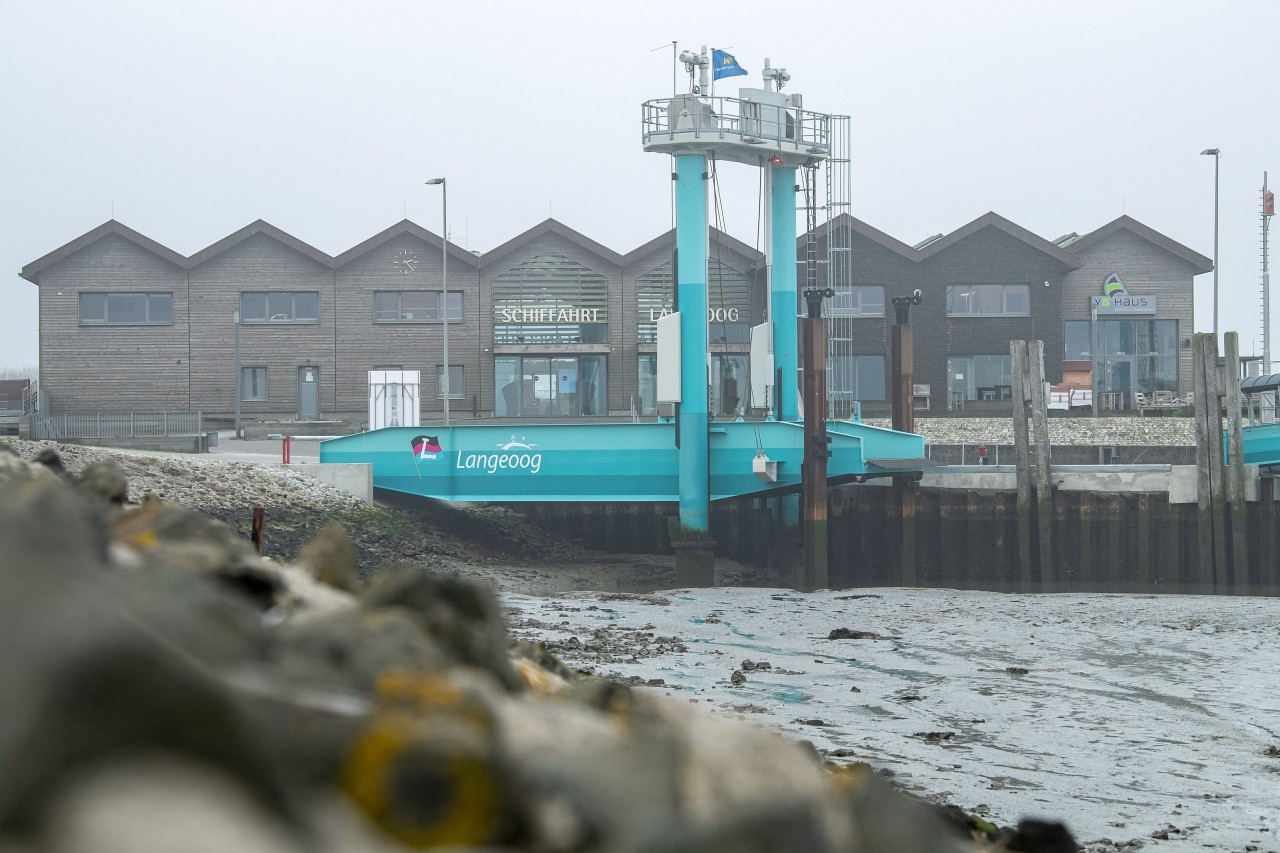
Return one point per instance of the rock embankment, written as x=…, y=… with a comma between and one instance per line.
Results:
x=1120, y=431
x=474, y=540
x=165, y=687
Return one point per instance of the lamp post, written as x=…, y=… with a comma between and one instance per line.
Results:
x=1217, y=156
x=444, y=284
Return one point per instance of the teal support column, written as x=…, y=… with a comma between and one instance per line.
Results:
x=783, y=305
x=783, y=311
x=691, y=284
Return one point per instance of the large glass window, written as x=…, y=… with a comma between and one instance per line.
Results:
x=730, y=387
x=253, y=383
x=862, y=300
x=988, y=300
x=550, y=299
x=457, y=383
x=126, y=309
x=1137, y=355
x=416, y=306
x=302, y=306
x=646, y=402
x=980, y=377
x=728, y=303
x=1076, y=334
x=540, y=387
x=855, y=377
x=1121, y=337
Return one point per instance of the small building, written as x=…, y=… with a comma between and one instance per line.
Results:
x=13, y=403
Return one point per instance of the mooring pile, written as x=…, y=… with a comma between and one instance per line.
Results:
x=163, y=686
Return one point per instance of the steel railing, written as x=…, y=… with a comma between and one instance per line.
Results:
x=734, y=119
x=125, y=425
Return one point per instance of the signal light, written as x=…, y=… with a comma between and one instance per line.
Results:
x=1268, y=203
x=776, y=159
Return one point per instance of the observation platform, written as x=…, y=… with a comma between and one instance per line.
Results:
x=758, y=128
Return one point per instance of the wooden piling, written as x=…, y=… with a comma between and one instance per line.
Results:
x=1211, y=517
x=1239, y=581
x=814, y=572
x=1040, y=441
x=1021, y=447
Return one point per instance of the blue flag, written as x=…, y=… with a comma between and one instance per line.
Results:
x=724, y=65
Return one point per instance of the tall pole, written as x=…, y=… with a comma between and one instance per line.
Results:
x=691, y=284
x=1217, y=157
x=816, y=445
x=1266, y=283
x=444, y=286
x=239, y=383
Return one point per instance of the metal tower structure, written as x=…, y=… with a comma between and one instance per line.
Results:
x=766, y=128
x=1268, y=210
x=839, y=263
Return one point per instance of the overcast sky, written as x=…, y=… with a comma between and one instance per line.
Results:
x=188, y=121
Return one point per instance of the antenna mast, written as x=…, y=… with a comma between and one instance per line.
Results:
x=1268, y=210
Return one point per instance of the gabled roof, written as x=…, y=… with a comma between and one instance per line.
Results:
x=1199, y=263
x=31, y=272
x=995, y=220
x=253, y=229
x=857, y=226
x=717, y=239
x=404, y=226
x=551, y=226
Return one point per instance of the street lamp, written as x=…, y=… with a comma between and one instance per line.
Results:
x=1217, y=156
x=444, y=283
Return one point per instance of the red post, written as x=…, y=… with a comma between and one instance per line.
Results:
x=284, y=450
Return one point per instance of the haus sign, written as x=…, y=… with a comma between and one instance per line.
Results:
x=1116, y=299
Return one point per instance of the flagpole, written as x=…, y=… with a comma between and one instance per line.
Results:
x=675, y=68
x=713, y=74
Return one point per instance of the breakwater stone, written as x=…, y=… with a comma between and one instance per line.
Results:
x=164, y=687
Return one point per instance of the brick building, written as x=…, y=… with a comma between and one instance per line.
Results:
x=552, y=325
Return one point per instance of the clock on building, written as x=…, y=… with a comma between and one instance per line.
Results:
x=405, y=261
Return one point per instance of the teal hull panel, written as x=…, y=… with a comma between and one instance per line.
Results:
x=1261, y=444
x=598, y=462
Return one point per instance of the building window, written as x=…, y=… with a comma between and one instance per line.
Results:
x=126, y=309
x=988, y=300
x=855, y=377
x=414, y=306
x=646, y=402
x=1135, y=355
x=980, y=377
x=457, y=385
x=301, y=306
x=253, y=383
x=1077, y=334
x=728, y=303
x=540, y=386
x=1120, y=337
x=864, y=300
x=550, y=299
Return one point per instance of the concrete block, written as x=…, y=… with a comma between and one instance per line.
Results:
x=354, y=478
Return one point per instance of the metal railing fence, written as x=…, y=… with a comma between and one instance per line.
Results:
x=125, y=425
